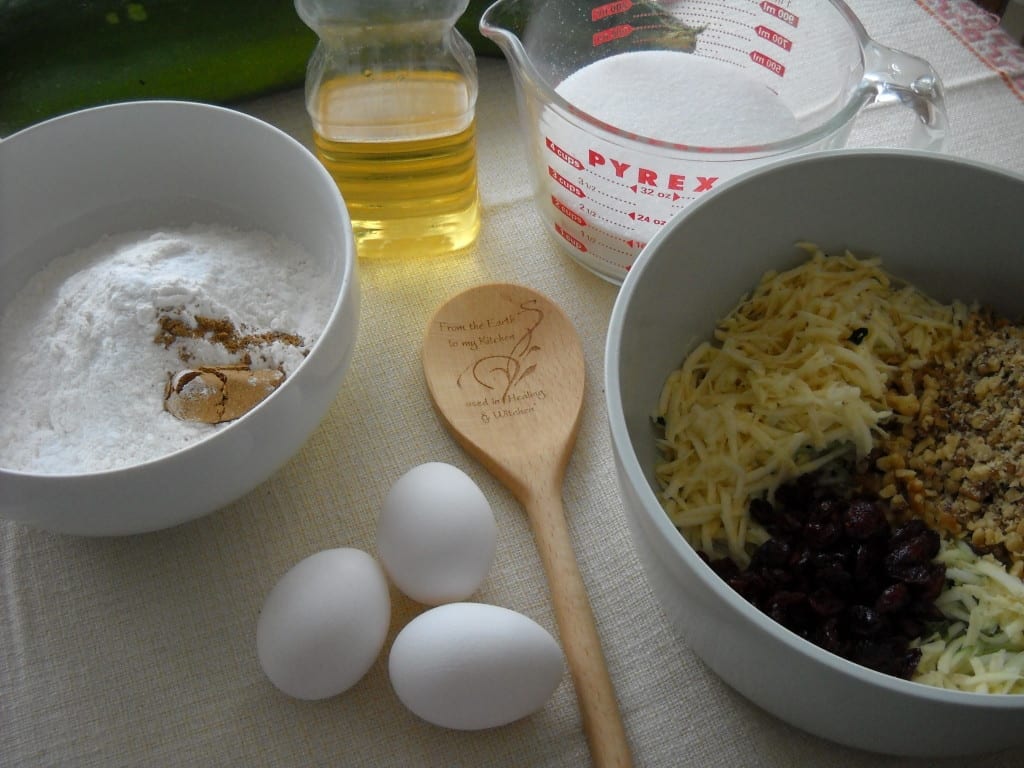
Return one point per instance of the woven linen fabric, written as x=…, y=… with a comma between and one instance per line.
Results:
x=140, y=651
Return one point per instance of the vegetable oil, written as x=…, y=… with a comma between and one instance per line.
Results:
x=391, y=93
x=401, y=147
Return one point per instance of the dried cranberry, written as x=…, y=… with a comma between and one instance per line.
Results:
x=892, y=657
x=772, y=554
x=932, y=588
x=868, y=559
x=826, y=509
x=907, y=664
x=836, y=578
x=784, y=578
x=864, y=519
x=906, y=531
x=822, y=534
x=825, y=603
x=783, y=605
x=925, y=610
x=912, y=574
x=801, y=558
x=908, y=626
x=913, y=550
x=723, y=566
x=864, y=620
x=793, y=496
x=777, y=520
x=830, y=637
x=893, y=598
x=749, y=584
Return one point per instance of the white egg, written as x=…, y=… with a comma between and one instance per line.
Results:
x=470, y=666
x=324, y=623
x=436, y=534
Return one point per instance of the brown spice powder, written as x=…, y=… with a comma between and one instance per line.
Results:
x=218, y=331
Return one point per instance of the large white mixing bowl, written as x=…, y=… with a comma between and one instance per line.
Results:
x=955, y=229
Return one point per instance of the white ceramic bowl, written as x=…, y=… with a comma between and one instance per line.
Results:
x=955, y=229
x=68, y=181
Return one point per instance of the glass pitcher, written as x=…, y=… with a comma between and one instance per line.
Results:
x=391, y=92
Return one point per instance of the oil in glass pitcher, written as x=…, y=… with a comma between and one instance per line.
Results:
x=391, y=92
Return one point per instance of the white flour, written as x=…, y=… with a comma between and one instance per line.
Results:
x=679, y=97
x=81, y=378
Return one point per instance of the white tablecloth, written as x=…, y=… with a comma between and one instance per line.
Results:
x=140, y=651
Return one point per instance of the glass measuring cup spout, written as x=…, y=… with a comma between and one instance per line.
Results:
x=633, y=109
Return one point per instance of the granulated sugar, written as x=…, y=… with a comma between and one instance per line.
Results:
x=679, y=97
x=81, y=375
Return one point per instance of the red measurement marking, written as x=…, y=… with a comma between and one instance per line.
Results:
x=612, y=33
x=570, y=239
x=565, y=183
x=768, y=63
x=651, y=192
x=610, y=9
x=568, y=212
x=774, y=37
x=561, y=154
x=645, y=218
x=780, y=13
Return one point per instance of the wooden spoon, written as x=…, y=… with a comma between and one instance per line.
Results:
x=505, y=369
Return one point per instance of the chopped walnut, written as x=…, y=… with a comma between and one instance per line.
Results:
x=957, y=460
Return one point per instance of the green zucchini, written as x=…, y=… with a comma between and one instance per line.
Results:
x=57, y=56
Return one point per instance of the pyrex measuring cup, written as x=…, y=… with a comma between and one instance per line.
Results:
x=632, y=109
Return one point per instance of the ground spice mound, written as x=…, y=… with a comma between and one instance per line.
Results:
x=955, y=456
x=220, y=331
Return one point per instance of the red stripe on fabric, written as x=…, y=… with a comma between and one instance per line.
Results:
x=979, y=32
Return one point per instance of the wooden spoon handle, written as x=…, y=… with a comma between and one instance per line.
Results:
x=602, y=723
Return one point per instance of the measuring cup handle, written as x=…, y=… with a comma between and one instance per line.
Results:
x=893, y=77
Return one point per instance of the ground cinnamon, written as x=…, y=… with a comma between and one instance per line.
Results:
x=217, y=331
x=217, y=393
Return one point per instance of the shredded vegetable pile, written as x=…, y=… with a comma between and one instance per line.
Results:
x=981, y=649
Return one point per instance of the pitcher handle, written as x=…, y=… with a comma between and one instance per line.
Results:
x=893, y=76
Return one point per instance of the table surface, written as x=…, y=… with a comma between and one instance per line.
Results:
x=141, y=650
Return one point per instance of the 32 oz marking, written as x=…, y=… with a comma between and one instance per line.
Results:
x=655, y=193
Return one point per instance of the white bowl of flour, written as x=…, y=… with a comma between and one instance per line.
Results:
x=142, y=239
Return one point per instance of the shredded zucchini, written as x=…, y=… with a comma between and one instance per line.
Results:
x=981, y=647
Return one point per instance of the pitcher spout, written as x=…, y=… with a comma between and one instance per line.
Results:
x=504, y=23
